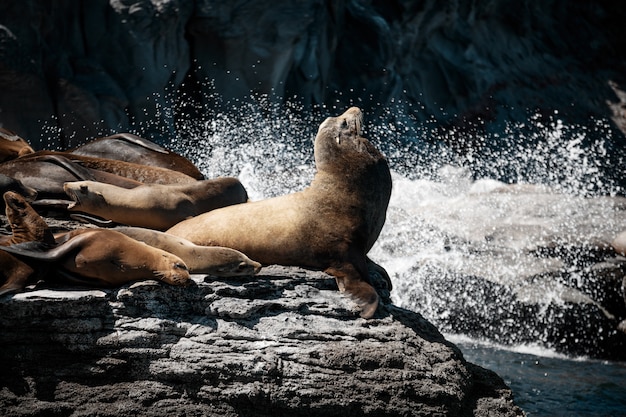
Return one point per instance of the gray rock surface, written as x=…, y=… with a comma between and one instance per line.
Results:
x=284, y=343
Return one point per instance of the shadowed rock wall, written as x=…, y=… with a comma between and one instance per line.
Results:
x=91, y=67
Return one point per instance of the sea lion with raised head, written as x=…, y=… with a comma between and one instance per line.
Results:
x=212, y=260
x=132, y=148
x=26, y=225
x=331, y=225
x=105, y=258
x=154, y=206
x=12, y=146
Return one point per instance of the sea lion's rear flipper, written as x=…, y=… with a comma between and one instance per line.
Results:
x=80, y=172
x=351, y=282
x=139, y=141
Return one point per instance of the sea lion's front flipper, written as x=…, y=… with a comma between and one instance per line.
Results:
x=374, y=268
x=44, y=252
x=80, y=172
x=52, y=204
x=90, y=218
x=351, y=282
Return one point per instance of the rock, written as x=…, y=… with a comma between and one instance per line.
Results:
x=285, y=342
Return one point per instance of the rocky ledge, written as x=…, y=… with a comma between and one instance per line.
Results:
x=284, y=343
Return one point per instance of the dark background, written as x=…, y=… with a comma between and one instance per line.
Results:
x=74, y=70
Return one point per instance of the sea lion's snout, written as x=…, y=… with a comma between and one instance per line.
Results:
x=71, y=193
x=179, y=275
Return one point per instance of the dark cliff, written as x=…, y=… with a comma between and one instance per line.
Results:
x=72, y=70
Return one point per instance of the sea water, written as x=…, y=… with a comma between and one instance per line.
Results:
x=271, y=151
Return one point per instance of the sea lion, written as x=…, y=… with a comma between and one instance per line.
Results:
x=331, y=225
x=143, y=173
x=155, y=206
x=26, y=225
x=132, y=148
x=46, y=174
x=11, y=184
x=212, y=260
x=14, y=272
x=105, y=258
x=12, y=146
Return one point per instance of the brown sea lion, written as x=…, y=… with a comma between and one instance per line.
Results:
x=155, y=206
x=331, y=225
x=46, y=173
x=26, y=224
x=132, y=148
x=212, y=260
x=12, y=146
x=105, y=258
x=15, y=273
x=143, y=173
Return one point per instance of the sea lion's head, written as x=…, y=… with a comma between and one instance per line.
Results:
x=173, y=270
x=339, y=145
x=234, y=263
x=16, y=205
x=82, y=195
x=25, y=223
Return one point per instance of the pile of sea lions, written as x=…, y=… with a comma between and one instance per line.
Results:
x=159, y=218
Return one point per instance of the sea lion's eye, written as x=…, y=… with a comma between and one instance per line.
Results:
x=344, y=124
x=83, y=188
x=180, y=266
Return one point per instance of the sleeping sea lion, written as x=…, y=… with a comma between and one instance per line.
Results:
x=212, y=260
x=132, y=148
x=331, y=225
x=105, y=258
x=154, y=206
